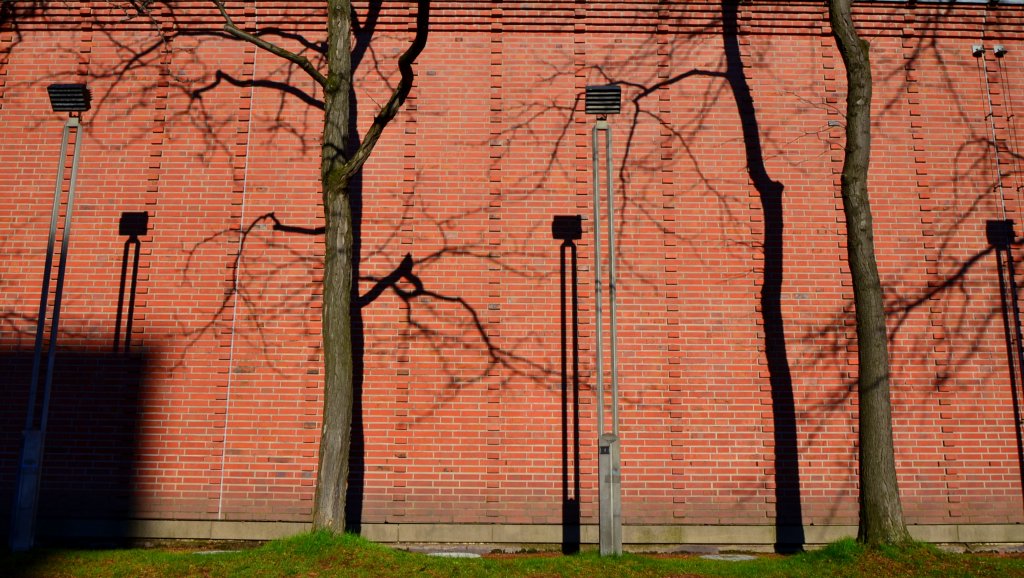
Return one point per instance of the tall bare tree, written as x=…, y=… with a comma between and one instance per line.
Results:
x=881, y=512
x=340, y=162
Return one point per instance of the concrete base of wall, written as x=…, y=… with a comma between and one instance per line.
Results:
x=170, y=529
x=638, y=537
x=677, y=535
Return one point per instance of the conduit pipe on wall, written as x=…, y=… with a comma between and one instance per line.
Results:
x=1011, y=118
x=978, y=50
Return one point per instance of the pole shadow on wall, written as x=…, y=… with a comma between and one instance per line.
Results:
x=1001, y=236
x=133, y=226
x=789, y=533
x=88, y=422
x=569, y=229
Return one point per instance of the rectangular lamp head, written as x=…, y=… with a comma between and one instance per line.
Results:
x=69, y=97
x=603, y=99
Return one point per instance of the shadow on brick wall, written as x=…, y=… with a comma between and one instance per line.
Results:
x=132, y=225
x=789, y=532
x=91, y=441
x=569, y=229
x=1001, y=237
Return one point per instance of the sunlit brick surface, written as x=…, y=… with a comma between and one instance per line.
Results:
x=731, y=261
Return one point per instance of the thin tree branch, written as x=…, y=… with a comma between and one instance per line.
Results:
x=297, y=59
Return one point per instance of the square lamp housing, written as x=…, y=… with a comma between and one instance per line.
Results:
x=69, y=97
x=603, y=99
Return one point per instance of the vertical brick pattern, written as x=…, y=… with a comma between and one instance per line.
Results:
x=496, y=486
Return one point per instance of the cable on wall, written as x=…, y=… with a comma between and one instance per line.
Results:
x=992, y=125
x=236, y=277
x=1011, y=121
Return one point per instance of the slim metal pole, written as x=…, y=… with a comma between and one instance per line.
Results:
x=61, y=266
x=598, y=315
x=611, y=279
x=608, y=456
x=37, y=355
x=23, y=519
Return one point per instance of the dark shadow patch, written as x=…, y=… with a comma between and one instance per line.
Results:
x=1000, y=235
x=789, y=532
x=569, y=229
x=88, y=466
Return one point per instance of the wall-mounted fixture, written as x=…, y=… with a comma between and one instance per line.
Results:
x=69, y=97
x=603, y=99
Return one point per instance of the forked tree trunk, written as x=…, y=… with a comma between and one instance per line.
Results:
x=881, y=513
x=338, y=164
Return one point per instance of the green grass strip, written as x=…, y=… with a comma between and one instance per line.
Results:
x=325, y=554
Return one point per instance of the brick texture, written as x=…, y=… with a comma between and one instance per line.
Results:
x=737, y=359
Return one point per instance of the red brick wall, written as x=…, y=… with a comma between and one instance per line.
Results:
x=462, y=382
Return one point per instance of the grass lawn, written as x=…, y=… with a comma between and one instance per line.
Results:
x=321, y=554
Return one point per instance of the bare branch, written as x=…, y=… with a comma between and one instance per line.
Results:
x=297, y=59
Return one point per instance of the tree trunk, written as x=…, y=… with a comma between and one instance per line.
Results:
x=338, y=165
x=881, y=513
x=332, y=477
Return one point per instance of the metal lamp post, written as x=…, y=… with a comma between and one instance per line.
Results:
x=603, y=100
x=71, y=98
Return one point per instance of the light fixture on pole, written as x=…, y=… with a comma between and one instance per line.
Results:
x=71, y=98
x=604, y=100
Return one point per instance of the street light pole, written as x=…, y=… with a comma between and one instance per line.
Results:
x=603, y=100
x=63, y=98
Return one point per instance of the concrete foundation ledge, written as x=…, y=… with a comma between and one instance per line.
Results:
x=678, y=534
x=171, y=529
x=639, y=536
